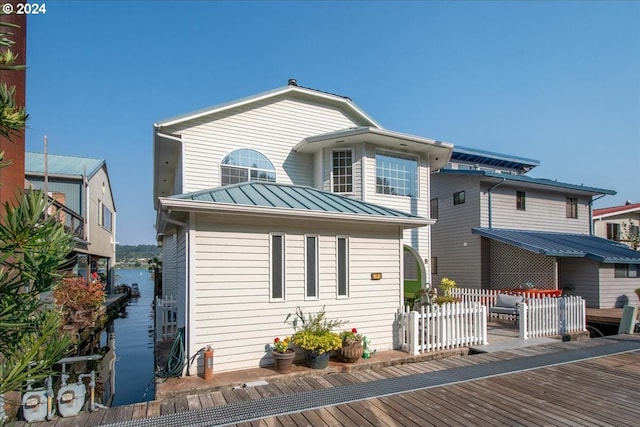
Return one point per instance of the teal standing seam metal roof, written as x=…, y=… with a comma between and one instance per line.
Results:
x=527, y=179
x=274, y=195
x=61, y=165
x=564, y=245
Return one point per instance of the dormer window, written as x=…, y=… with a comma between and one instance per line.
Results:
x=246, y=165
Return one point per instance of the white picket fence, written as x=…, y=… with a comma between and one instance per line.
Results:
x=539, y=315
x=166, y=325
x=442, y=327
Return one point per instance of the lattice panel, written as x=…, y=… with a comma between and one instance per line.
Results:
x=512, y=268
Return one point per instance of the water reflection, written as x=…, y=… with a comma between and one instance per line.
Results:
x=124, y=376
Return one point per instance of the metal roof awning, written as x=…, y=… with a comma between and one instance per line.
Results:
x=564, y=245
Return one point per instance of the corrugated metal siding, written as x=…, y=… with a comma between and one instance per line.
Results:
x=229, y=303
x=457, y=250
x=617, y=292
x=272, y=127
x=581, y=277
x=545, y=210
x=72, y=189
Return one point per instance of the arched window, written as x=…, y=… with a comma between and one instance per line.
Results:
x=246, y=165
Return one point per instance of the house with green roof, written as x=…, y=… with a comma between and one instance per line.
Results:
x=80, y=188
x=500, y=228
x=291, y=197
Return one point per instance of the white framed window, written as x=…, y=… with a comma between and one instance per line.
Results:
x=245, y=165
x=311, y=270
x=396, y=175
x=277, y=267
x=342, y=266
x=342, y=172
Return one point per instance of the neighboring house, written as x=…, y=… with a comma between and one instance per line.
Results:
x=501, y=229
x=292, y=197
x=80, y=187
x=619, y=223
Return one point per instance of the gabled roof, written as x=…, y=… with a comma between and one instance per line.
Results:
x=564, y=245
x=62, y=166
x=262, y=198
x=616, y=210
x=489, y=158
x=527, y=180
x=342, y=102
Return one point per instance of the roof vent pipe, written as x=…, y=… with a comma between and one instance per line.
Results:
x=292, y=82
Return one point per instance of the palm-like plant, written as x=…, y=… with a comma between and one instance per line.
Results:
x=33, y=251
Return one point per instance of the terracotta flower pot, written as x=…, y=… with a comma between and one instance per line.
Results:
x=284, y=361
x=350, y=353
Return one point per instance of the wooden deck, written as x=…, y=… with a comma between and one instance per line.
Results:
x=608, y=316
x=600, y=391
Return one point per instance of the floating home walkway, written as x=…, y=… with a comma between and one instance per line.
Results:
x=589, y=382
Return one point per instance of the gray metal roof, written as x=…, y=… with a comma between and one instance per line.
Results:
x=564, y=245
x=274, y=195
x=527, y=179
x=61, y=165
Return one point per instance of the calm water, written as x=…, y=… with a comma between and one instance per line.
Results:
x=134, y=366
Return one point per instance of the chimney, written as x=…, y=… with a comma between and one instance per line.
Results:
x=292, y=82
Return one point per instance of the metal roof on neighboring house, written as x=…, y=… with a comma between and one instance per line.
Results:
x=482, y=157
x=291, y=197
x=61, y=165
x=616, y=210
x=527, y=179
x=564, y=245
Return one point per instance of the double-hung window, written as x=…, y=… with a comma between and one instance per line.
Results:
x=613, y=231
x=342, y=265
x=342, y=171
x=311, y=266
x=458, y=198
x=277, y=267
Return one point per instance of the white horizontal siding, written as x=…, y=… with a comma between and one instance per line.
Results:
x=180, y=285
x=581, y=277
x=457, y=250
x=616, y=292
x=271, y=127
x=233, y=312
x=545, y=210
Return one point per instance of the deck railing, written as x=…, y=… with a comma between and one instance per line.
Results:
x=166, y=324
x=73, y=223
x=440, y=327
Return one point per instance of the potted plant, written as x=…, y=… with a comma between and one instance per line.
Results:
x=313, y=334
x=351, y=349
x=637, y=291
x=446, y=286
x=283, y=355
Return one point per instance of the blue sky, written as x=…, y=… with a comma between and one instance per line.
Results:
x=554, y=81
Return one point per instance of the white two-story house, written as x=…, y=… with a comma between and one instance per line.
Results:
x=499, y=228
x=292, y=197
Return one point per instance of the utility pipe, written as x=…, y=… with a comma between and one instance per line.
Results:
x=591, y=213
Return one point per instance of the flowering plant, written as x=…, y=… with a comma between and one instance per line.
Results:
x=350, y=337
x=281, y=346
